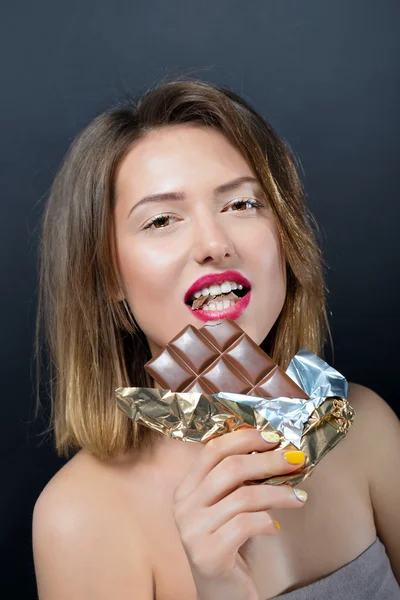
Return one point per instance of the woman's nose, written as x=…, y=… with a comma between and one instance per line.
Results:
x=211, y=243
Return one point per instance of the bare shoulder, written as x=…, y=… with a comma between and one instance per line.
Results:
x=367, y=401
x=358, y=452
x=374, y=418
x=87, y=538
x=377, y=436
x=373, y=413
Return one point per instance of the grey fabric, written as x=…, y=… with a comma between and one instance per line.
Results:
x=367, y=577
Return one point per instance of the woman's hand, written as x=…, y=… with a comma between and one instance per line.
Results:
x=216, y=514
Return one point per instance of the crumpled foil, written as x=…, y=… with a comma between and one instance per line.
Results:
x=315, y=425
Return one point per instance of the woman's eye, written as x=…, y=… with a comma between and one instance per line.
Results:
x=158, y=222
x=246, y=203
x=240, y=205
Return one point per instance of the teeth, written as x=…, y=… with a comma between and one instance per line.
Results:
x=225, y=287
x=219, y=305
x=215, y=290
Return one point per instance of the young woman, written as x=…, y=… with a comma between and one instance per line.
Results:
x=190, y=182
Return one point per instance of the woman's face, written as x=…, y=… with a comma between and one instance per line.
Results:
x=166, y=244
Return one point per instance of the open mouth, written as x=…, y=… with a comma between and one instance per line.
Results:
x=217, y=296
x=222, y=296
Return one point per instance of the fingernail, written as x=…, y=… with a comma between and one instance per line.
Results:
x=295, y=457
x=300, y=494
x=270, y=437
x=277, y=525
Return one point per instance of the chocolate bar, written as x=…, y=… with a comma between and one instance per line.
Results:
x=220, y=357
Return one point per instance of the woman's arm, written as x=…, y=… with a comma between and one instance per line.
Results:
x=379, y=439
x=85, y=552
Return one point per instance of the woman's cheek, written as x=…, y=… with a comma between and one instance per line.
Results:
x=150, y=277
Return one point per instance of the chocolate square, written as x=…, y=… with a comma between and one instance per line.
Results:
x=220, y=357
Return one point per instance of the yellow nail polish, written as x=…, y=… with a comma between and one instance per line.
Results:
x=295, y=457
x=277, y=525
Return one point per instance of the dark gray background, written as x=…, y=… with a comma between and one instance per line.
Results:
x=325, y=74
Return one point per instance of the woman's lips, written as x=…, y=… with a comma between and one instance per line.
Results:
x=216, y=278
x=233, y=312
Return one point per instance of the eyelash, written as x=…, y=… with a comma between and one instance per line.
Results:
x=254, y=204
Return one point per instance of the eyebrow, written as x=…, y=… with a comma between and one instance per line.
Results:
x=221, y=189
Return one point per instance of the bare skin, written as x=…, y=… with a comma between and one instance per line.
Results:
x=208, y=232
x=122, y=528
x=334, y=526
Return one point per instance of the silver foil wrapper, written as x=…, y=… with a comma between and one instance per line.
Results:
x=315, y=425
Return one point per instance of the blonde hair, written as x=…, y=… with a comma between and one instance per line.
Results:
x=93, y=342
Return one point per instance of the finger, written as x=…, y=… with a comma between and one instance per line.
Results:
x=233, y=534
x=241, y=441
x=252, y=498
x=234, y=470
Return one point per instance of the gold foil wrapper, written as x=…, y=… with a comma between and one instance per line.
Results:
x=314, y=426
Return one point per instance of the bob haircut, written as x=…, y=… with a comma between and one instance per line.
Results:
x=94, y=344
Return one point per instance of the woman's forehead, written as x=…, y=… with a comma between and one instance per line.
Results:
x=176, y=158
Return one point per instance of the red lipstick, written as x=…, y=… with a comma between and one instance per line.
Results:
x=233, y=312
x=216, y=278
